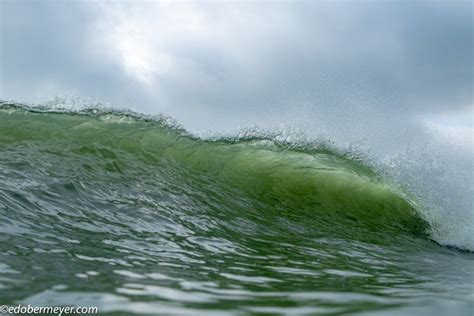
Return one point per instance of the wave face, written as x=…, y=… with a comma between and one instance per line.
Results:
x=133, y=214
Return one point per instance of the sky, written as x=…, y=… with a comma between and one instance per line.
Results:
x=385, y=69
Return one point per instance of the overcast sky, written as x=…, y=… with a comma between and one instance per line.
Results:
x=363, y=65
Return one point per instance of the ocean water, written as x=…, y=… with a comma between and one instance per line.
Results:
x=134, y=215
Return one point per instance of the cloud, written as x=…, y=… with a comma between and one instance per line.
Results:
x=230, y=63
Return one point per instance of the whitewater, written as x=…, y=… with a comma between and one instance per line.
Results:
x=141, y=216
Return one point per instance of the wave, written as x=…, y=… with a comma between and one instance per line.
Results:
x=344, y=196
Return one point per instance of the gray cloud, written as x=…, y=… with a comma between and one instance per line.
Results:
x=236, y=63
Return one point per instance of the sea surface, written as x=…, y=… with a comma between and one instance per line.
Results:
x=134, y=215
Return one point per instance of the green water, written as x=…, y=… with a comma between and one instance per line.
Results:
x=135, y=216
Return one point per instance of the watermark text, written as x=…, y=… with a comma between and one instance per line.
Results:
x=53, y=310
